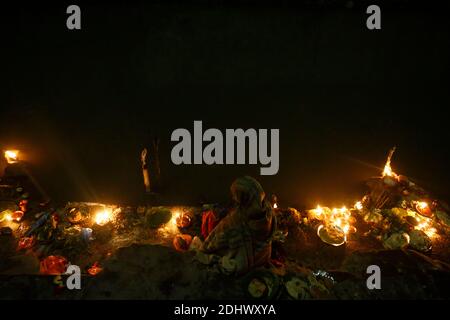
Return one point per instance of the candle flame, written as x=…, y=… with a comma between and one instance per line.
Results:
x=171, y=228
x=387, y=171
x=318, y=211
x=337, y=217
x=424, y=225
x=422, y=205
x=175, y=215
x=12, y=156
x=103, y=217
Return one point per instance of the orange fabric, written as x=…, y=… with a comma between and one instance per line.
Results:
x=209, y=222
x=53, y=265
x=181, y=242
x=95, y=269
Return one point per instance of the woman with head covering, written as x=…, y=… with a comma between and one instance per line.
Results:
x=243, y=239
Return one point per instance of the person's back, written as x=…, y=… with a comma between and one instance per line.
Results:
x=242, y=240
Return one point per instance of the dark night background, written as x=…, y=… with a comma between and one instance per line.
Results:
x=82, y=104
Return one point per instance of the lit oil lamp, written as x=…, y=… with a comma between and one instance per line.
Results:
x=182, y=220
x=17, y=216
x=358, y=206
x=318, y=212
x=424, y=224
x=423, y=208
x=175, y=222
x=104, y=216
x=12, y=156
x=10, y=216
x=331, y=235
x=103, y=228
x=175, y=216
x=335, y=224
x=274, y=201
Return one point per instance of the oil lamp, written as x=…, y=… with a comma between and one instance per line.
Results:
x=103, y=216
x=423, y=208
x=12, y=156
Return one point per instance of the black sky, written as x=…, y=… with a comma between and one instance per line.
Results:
x=82, y=104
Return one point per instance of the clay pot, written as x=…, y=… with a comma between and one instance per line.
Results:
x=17, y=215
x=183, y=221
x=181, y=242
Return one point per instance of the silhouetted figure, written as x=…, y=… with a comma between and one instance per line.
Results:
x=243, y=239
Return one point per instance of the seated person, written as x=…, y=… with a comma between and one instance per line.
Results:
x=243, y=239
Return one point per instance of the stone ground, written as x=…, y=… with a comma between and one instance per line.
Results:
x=159, y=272
x=153, y=269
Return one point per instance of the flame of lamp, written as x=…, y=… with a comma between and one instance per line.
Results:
x=358, y=205
x=12, y=156
x=423, y=208
x=103, y=217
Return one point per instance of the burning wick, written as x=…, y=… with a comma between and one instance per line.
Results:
x=336, y=224
x=339, y=219
x=103, y=217
x=422, y=205
x=12, y=156
x=16, y=216
x=274, y=201
x=430, y=232
x=423, y=208
x=171, y=227
x=318, y=211
x=359, y=206
x=423, y=225
x=387, y=171
x=175, y=215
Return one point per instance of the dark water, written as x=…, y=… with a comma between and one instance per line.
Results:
x=83, y=104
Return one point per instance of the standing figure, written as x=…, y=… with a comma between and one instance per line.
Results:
x=145, y=172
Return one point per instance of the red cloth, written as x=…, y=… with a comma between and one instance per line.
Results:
x=209, y=222
x=53, y=265
x=26, y=243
